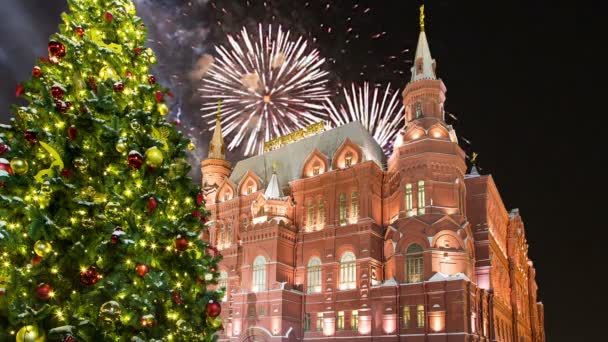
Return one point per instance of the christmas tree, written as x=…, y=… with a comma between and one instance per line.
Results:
x=99, y=224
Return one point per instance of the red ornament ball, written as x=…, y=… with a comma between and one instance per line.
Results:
x=109, y=16
x=115, y=238
x=19, y=89
x=44, y=291
x=142, y=269
x=177, y=297
x=56, y=92
x=6, y=166
x=118, y=87
x=90, y=276
x=36, y=259
x=4, y=148
x=31, y=136
x=66, y=173
x=200, y=199
x=147, y=321
x=151, y=79
x=152, y=204
x=181, y=244
x=213, y=309
x=92, y=84
x=159, y=96
x=56, y=50
x=197, y=213
x=72, y=132
x=129, y=74
x=79, y=31
x=36, y=72
x=62, y=106
x=69, y=338
x=137, y=50
x=135, y=159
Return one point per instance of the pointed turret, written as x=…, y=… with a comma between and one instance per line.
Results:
x=424, y=64
x=216, y=146
x=215, y=169
x=273, y=191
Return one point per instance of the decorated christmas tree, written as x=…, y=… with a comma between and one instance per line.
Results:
x=100, y=227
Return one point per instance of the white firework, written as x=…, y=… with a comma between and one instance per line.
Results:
x=269, y=85
x=382, y=113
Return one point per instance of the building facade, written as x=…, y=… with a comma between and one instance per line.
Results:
x=328, y=239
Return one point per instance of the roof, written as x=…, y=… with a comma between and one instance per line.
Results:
x=290, y=158
x=423, y=55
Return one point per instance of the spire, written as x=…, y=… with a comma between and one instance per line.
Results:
x=273, y=190
x=216, y=146
x=424, y=64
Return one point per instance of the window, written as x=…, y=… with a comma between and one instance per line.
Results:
x=262, y=311
x=259, y=274
x=311, y=216
x=314, y=276
x=222, y=235
x=354, y=206
x=316, y=169
x=222, y=283
x=348, y=269
x=354, y=320
x=421, y=198
x=321, y=215
x=228, y=240
x=226, y=196
x=307, y=322
x=414, y=263
x=418, y=110
x=420, y=315
x=409, y=202
x=406, y=317
x=348, y=159
x=342, y=209
x=245, y=222
x=340, y=321
x=249, y=189
x=319, y=321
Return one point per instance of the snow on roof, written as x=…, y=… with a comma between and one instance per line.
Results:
x=444, y=277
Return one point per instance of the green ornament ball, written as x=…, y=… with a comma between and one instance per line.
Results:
x=30, y=333
x=154, y=157
x=135, y=125
x=19, y=166
x=121, y=146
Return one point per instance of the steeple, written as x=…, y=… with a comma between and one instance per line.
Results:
x=273, y=191
x=424, y=64
x=216, y=146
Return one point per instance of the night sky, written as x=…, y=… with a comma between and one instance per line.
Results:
x=513, y=71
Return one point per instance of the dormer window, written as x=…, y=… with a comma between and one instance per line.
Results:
x=418, y=110
x=348, y=159
x=249, y=190
x=226, y=196
x=316, y=170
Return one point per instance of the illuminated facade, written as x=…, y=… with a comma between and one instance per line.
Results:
x=328, y=239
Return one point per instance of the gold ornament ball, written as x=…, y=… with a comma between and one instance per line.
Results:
x=110, y=311
x=135, y=125
x=107, y=72
x=191, y=146
x=30, y=333
x=121, y=146
x=42, y=248
x=163, y=109
x=215, y=322
x=154, y=157
x=19, y=166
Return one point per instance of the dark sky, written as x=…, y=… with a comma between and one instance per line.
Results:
x=513, y=71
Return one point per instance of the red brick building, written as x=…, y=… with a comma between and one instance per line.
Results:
x=328, y=239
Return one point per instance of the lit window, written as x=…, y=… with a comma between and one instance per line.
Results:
x=226, y=196
x=414, y=263
x=259, y=274
x=245, y=221
x=321, y=215
x=307, y=322
x=348, y=271
x=348, y=159
x=314, y=276
x=262, y=311
x=228, y=237
x=354, y=206
x=409, y=200
x=340, y=322
x=342, y=209
x=319, y=321
x=406, y=316
x=421, y=198
x=418, y=110
x=316, y=169
x=420, y=315
x=311, y=216
x=222, y=283
x=354, y=320
x=222, y=235
x=249, y=190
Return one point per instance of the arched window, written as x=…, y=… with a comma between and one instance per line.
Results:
x=314, y=276
x=348, y=271
x=354, y=206
x=342, y=209
x=348, y=159
x=259, y=274
x=321, y=215
x=222, y=282
x=414, y=263
x=421, y=198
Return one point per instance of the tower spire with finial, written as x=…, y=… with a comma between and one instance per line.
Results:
x=424, y=64
x=216, y=146
x=422, y=18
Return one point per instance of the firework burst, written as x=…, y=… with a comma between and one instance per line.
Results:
x=269, y=85
x=382, y=113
